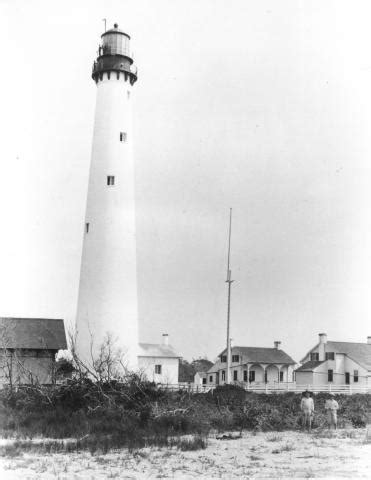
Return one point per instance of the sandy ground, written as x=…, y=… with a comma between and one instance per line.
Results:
x=342, y=454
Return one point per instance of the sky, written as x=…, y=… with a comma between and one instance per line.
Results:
x=264, y=107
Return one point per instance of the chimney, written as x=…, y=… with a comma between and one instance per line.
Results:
x=369, y=340
x=277, y=344
x=165, y=339
x=322, y=346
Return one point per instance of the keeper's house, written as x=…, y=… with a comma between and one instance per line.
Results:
x=253, y=365
x=28, y=347
x=338, y=363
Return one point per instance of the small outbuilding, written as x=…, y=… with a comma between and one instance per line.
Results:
x=200, y=378
x=159, y=363
x=28, y=348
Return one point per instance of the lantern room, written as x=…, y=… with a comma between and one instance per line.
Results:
x=116, y=42
x=114, y=56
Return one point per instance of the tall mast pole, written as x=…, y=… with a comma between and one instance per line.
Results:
x=229, y=281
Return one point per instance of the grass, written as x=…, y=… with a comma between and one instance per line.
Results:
x=255, y=458
x=288, y=447
x=98, y=446
x=191, y=444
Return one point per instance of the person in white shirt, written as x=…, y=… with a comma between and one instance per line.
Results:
x=307, y=407
x=331, y=407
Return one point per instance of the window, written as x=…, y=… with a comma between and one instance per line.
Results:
x=87, y=227
x=223, y=358
x=211, y=379
x=355, y=376
x=281, y=376
x=158, y=369
x=330, y=356
x=128, y=94
x=123, y=136
x=266, y=377
x=110, y=180
x=245, y=375
x=314, y=356
x=330, y=375
x=235, y=358
x=204, y=381
x=252, y=376
x=235, y=375
x=223, y=375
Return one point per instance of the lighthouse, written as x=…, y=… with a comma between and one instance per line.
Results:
x=107, y=301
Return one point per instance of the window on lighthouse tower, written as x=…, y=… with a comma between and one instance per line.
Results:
x=123, y=137
x=110, y=180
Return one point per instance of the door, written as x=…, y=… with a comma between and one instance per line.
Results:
x=347, y=378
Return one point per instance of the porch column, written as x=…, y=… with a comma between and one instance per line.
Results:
x=264, y=367
x=279, y=373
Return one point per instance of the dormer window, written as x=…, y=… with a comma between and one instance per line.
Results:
x=330, y=355
x=235, y=358
x=223, y=358
x=314, y=356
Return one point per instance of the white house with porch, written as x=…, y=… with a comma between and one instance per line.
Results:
x=253, y=365
x=336, y=363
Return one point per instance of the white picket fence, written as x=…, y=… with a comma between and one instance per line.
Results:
x=274, y=388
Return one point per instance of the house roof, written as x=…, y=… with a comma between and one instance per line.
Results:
x=261, y=355
x=309, y=366
x=216, y=367
x=359, y=352
x=33, y=333
x=157, y=350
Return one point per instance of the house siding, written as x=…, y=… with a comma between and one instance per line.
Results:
x=27, y=366
x=304, y=378
x=169, y=367
x=340, y=365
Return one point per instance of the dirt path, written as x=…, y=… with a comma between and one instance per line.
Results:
x=342, y=454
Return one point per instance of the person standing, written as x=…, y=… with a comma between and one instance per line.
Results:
x=331, y=407
x=307, y=407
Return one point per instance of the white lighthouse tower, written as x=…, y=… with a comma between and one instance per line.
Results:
x=107, y=301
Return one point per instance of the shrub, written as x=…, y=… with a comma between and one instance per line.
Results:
x=113, y=415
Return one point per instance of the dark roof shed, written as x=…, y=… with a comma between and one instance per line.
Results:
x=32, y=333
